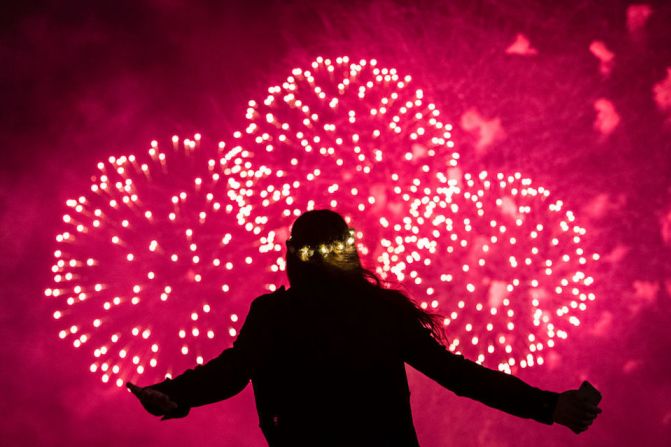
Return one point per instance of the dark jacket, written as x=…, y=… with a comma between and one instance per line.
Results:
x=328, y=370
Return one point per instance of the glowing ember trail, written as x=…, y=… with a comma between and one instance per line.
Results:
x=152, y=272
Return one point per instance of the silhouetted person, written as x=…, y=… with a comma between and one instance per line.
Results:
x=326, y=357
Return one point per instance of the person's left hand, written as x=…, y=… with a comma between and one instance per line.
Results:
x=575, y=411
x=153, y=401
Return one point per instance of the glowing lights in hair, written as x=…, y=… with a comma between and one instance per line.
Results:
x=337, y=248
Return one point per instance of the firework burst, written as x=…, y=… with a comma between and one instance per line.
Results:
x=346, y=135
x=501, y=260
x=157, y=262
x=153, y=267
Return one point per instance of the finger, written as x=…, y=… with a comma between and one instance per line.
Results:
x=579, y=428
x=166, y=417
x=152, y=393
x=591, y=412
x=584, y=402
x=585, y=421
x=585, y=418
x=134, y=389
x=172, y=405
x=166, y=403
x=574, y=414
x=578, y=401
x=579, y=423
x=160, y=400
x=589, y=407
x=585, y=397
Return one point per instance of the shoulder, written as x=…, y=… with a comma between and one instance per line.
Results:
x=268, y=300
x=394, y=298
x=405, y=313
x=264, y=307
x=394, y=303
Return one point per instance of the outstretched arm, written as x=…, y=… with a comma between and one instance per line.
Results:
x=466, y=378
x=494, y=388
x=221, y=378
x=218, y=379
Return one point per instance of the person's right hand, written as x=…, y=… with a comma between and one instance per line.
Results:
x=153, y=401
x=575, y=410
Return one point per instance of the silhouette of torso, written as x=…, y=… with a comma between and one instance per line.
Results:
x=329, y=371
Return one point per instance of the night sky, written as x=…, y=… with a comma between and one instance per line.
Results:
x=574, y=94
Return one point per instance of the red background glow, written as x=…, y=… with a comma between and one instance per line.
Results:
x=573, y=96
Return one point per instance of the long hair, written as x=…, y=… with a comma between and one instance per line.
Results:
x=322, y=254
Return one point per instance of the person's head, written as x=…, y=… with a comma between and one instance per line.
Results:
x=322, y=250
x=322, y=255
